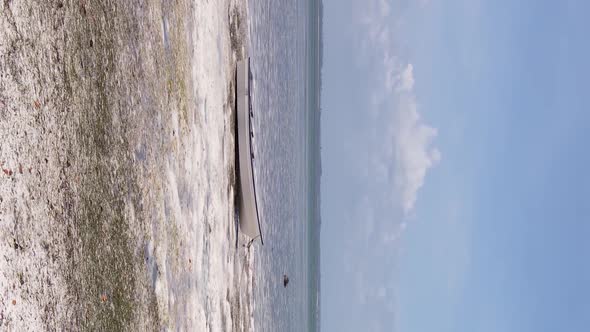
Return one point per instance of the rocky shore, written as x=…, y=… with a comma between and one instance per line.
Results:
x=117, y=163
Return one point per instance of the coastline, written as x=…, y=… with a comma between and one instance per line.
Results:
x=118, y=180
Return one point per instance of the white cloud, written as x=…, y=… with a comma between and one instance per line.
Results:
x=404, y=144
x=384, y=7
x=399, y=154
x=414, y=154
x=406, y=79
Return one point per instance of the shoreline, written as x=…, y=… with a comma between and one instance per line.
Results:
x=117, y=185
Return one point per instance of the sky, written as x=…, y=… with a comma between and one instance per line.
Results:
x=454, y=155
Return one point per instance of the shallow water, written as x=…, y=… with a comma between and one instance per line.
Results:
x=278, y=51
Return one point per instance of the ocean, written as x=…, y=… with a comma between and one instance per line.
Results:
x=284, y=50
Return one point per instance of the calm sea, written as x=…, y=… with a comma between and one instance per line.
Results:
x=284, y=50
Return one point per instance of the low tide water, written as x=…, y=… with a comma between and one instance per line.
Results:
x=283, y=100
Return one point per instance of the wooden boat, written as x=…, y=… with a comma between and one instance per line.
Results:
x=248, y=204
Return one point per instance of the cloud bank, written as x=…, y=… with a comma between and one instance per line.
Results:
x=400, y=154
x=412, y=139
x=388, y=156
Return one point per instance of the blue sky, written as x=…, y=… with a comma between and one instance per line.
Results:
x=455, y=194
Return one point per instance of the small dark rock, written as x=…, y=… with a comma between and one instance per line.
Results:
x=17, y=246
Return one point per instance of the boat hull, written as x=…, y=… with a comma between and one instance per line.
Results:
x=248, y=205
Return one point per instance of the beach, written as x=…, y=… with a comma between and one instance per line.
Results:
x=118, y=180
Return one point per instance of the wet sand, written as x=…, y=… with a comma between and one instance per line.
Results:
x=117, y=153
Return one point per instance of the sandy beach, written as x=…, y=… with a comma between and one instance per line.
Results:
x=118, y=168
